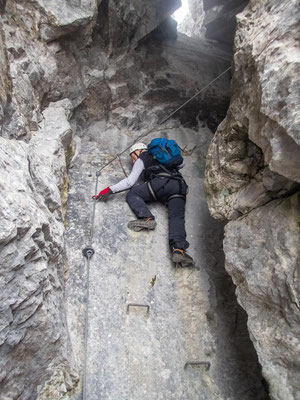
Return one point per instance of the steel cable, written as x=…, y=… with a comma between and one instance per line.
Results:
x=164, y=120
x=86, y=327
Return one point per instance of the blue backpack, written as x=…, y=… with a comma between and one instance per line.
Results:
x=166, y=152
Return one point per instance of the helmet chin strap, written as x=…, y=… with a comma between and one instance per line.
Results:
x=141, y=151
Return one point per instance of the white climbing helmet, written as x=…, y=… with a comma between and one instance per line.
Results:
x=137, y=146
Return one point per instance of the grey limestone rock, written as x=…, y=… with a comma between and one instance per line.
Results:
x=159, y=80
x=192, y=25
x=43, y=79
x=48, y=152
x=261, y=129
x=220, y=19
x=213, y=20
x=32, y=258
x=40, y=73
x=53, y=19
x=5, y=81
x=193, y=314
x=126, y=22
x=82, y=64
x=254, y=159
x=262, y=256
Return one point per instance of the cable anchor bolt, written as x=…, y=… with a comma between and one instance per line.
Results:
x=88, y=252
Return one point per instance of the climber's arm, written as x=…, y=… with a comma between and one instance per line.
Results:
x=128, y=182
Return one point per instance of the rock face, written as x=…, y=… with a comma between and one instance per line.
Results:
x=49, y=20
x=254, y=159
x=193, y=315
x=214, y=20
x=127, y=22
x=262, y=256
x=192, y=25
x=99, y=73
x=33, y=348
x=55, y=77
x=220, y=19
x=255, y=154
x=175, y=81
x=5, y=82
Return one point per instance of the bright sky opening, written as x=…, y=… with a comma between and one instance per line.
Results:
x=181, y=12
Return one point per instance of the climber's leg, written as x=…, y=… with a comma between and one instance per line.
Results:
x=137, y=198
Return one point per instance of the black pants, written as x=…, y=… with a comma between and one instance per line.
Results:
x=163, y=188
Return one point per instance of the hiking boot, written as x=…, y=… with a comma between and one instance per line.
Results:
x=143, y=223
x=182, y=259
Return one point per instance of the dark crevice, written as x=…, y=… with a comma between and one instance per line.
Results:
x=228, y=321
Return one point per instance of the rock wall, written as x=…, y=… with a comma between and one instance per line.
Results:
x=44, y=77
x=69, y=70
x=5, y=81
x=33, y=265
x=254, y=156
x=262, y=256
x=254, y=159
x=125, y=23
x=193, y=312
x=213, y=20
x=192, y=25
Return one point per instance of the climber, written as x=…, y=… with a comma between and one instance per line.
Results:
x=161, y=184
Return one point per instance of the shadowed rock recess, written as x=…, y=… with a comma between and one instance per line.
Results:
x=252, y=177
x=80, y=81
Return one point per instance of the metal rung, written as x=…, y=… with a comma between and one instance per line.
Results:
x=201, y=364
x=138, y=305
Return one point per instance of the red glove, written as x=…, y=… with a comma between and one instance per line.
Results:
x=103, y=195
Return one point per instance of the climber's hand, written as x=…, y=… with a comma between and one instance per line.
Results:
x=103, y=195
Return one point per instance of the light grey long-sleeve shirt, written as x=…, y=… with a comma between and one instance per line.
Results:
x=128, y=182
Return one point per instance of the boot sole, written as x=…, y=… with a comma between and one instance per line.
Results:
x=188, y=262
x=183, y=264
x=137, y=226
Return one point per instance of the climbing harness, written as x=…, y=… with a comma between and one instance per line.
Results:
x=182, y=196
x=170, y=175
x=151, y=190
